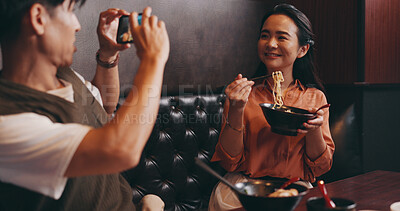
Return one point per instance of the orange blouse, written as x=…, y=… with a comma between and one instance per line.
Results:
x=268, y=154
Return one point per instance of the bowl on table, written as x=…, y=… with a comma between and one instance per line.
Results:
x=285, y=120
x=318, y=204
x=254, y=195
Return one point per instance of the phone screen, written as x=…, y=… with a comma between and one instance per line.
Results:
x=124, y=33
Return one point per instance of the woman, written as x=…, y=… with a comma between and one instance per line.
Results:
x=247, y=148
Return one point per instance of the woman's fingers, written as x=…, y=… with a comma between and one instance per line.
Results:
x=312, y=124
x=239, y=76
x=247, y=92
x=239, y=84
x=244, y=89
x=239, y=91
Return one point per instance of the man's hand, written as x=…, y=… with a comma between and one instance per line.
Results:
x=107, y=34
x=151, y=38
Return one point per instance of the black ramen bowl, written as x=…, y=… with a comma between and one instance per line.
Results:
x=285, y=120
x=254, y=196
x=318, y=204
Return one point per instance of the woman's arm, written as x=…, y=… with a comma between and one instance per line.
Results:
x=315, y=143
x=319, y=146
x=231, y=138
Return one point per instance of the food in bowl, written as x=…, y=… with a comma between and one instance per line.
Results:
x=284, y=193
x=255, y=194
x=288, y=111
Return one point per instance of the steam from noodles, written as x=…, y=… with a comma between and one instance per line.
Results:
x=277, y=90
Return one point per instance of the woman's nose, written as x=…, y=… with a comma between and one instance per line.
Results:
x=272, y=43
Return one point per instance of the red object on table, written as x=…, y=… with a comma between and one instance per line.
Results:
x=375, y=190
x=328, y=201
x=294, y=179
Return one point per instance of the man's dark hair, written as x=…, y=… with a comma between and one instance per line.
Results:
x=304, y=69
x=12, y=11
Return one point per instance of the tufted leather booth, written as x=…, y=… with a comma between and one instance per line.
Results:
x=186, y=127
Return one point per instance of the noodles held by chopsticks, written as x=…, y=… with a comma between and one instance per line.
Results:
x=277, y=90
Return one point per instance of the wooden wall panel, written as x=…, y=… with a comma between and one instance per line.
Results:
x=382, y=41
x=335, y=26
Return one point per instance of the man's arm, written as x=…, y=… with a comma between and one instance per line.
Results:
x=106, y=78
x=118, y=145
x=107, y=81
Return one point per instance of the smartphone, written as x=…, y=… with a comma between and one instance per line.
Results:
x=124, y=32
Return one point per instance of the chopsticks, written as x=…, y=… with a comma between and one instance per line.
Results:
x=260, y=77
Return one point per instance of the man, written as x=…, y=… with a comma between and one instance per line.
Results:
x=57, y=150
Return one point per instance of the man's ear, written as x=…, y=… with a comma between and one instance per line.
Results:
x=38, y=17
x=303, y=50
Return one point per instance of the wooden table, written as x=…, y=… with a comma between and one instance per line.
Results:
x=375, y=190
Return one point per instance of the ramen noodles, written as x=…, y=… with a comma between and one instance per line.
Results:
x=277, y=89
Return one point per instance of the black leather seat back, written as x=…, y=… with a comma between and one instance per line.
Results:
x=345, y=129
x=186, y=127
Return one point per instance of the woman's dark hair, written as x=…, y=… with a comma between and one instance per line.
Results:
x=304, y=68
x=12, y=11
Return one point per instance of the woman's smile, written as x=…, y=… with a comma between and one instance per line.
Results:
x=271, y=55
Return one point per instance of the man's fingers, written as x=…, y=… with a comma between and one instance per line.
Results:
x=153, y=21
x=121, y=47
x=161, y=24
x=146, y=15
x=134, y=20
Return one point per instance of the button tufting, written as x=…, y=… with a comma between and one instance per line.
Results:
x=168, y=156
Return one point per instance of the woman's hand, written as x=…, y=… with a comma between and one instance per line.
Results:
x=107, y=34
x=315, y=143
x=238, y=92
x=313, y=124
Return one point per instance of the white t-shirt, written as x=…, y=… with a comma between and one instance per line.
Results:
x=35, y=152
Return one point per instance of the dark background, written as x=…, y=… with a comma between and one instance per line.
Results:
x=358, y=51
x=211, y=41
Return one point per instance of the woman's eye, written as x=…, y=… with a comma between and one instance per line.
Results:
x=282, y=38
x=264, y=36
